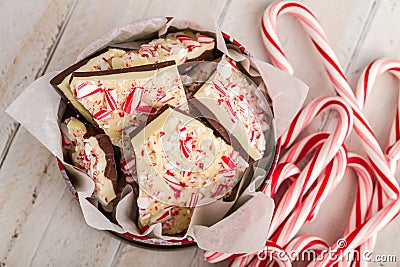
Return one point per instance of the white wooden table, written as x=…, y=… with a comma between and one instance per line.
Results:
x=40, y=222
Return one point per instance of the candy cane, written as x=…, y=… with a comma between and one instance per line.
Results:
x=293, y=156
x=364, y=86
x=336, y=75
x=299, y=151
x=296, y=220
x=362, y=233
x=362, y=203
x=333, y=175
x=363, y=90
x=282, y=172
x=313, y=169
x=215, y=256
x=319, y=194
x=301, y=148
x=271, y=252
x=365, y=191
x=287, y=168
x=296, y=250
x=304, y=243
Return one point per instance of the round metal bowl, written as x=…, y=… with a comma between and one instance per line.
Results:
x=158, y=243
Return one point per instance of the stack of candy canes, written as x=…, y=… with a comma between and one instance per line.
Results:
x=377, y=201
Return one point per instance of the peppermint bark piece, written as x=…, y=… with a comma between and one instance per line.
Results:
x=114, y=98
x=229, y=98
x=176, y=47
x=99, y=61
x=95, y=156
x=179, y=160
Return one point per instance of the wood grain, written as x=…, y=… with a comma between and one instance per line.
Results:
x=32, y=30
x=30, y=190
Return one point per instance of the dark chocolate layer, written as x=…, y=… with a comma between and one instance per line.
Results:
x=195, y=74
x=111, y=170
x=207, y=55
x=62, y=75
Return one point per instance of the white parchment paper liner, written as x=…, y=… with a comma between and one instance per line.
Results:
x=245, y=230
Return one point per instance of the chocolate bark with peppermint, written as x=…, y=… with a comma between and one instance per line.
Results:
x=205, y=116
x=115, y=98
x=179, y=161
x=229, y=97
x=95, y=155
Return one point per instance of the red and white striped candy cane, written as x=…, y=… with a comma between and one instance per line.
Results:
x=302, y=248
x=364, y=233
x=332, y=176
x=364, y=86
x=323, y=156
x=287, y=168
x=302, y=147
x=314, y=168
x=361, y=205
x=305, y=243
x=271, y=253
x=282, y=172
x=365, y=191
x=363, y=90
x=317, y=195
x=299, y=151
x=361, y=234
x=336, y=75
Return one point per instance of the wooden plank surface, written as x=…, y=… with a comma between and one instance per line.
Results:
x=31, y=31
x=41, y=222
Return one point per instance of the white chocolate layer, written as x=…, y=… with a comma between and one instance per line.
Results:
x=104, y=190
x=174, y=220
x=179, y=160
x=132, y=94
